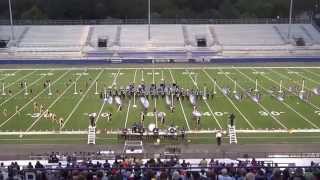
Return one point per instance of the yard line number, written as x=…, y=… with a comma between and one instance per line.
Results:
x=272, y=113
x=258, y=72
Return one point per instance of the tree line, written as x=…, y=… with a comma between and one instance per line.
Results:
x=136, y=9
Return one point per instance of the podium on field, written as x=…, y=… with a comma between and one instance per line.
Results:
x=133, y=147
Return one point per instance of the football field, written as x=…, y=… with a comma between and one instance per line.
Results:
x=271, y=104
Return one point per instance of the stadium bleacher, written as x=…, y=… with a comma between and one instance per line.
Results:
x=248, y=35
x=222, y=40
x=52, y=38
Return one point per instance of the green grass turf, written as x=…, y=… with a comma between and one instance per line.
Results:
x=74, y=109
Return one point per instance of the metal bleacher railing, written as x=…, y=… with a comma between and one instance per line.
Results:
x=315, y=25
x=156, y=21
x=233, y=155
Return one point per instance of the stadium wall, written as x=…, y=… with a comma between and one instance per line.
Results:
x=224, y=60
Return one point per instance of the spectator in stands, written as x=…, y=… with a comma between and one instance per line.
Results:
x=224, y=175
x=250, y=176
x=261, y=175
x=30, y=166
x=2, y=167
x=276, y=175
x=38, y=165
x=130, y=169
x=176, y=175
x=298, y=175
x=211, y=174
x=203, y=163
x=241, y=174
x=163, y=175
x=184, y=164
x=285, y=174
x=106, y=165
x=2, y=171
x=13, y=170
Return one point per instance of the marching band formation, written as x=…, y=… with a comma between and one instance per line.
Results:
x=171, y=93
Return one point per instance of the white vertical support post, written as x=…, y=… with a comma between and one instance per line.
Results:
x=3, y=90
x=75, y=88
x=204, y=97
x=25, y=88
x=96, y=88
x=256, y=89
x=50, y=93
x=235, y=87
x=11, y=21
x=149, y=20
x=280, y=88
x=162, y=79
x=302, y=87
x=290, y=19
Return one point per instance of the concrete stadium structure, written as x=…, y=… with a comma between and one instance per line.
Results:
x=168, y=41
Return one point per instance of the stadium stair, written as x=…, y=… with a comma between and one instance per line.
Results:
x=92, y=135
x=89, y=36
x=22, y=35
x=118, y=36
x=232, y=134
x=17, y=41
x=186, y=38
x=283, y=38
x=306, y=31
x=215, y=40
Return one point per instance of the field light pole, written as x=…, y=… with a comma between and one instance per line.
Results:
x=149, y=19
x=11, y=20
x=290, y=19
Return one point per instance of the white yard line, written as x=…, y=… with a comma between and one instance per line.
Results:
x=193, y=81
x=134, y=77
x=213, y=114
x=286, y=104
x=231, y=102
x=22, y=90
x=51, y=105
x=9, y=76
x=287, y=77
x=23, y=77
x=114, y=82
x=128, y=110
x=264, y=108
x=316, y=74
x=103, y=103
x=184, y=114
x=127, y=115
x=82, y=98
x=211, y=111
x=35, y=97
x=305, y=77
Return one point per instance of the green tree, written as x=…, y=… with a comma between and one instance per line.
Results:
x=227, y=10
x=33, y=13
